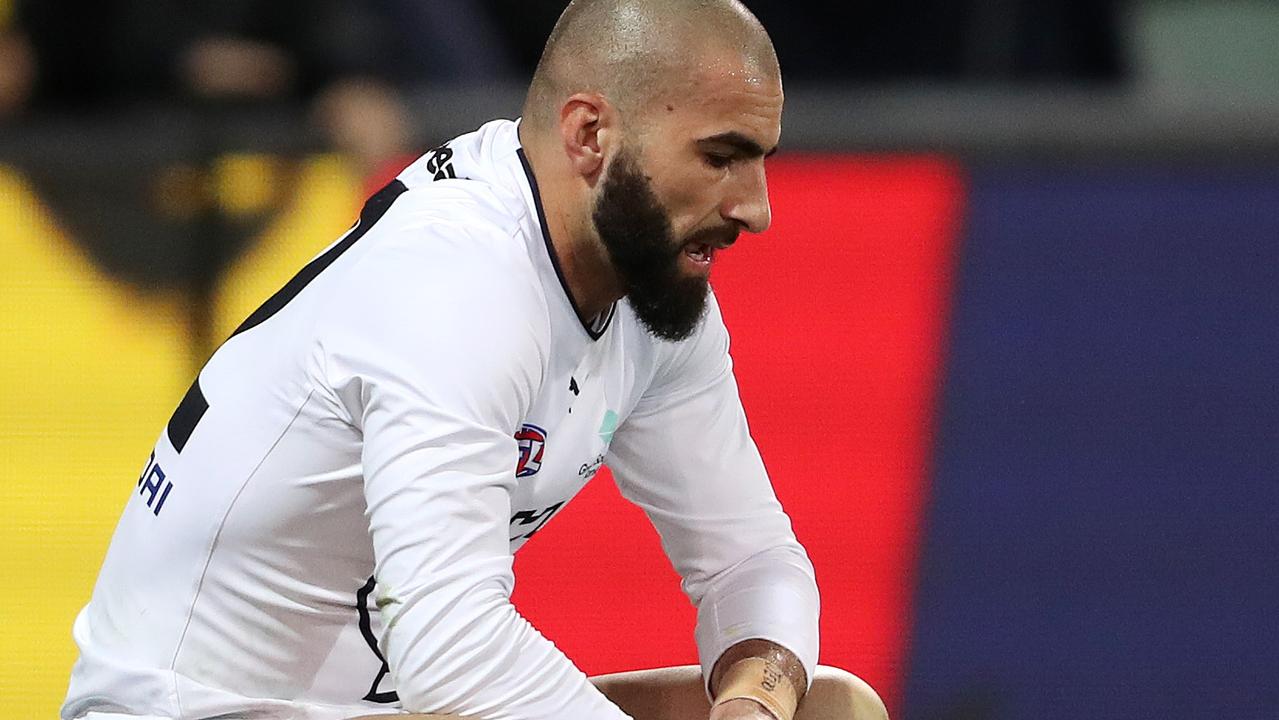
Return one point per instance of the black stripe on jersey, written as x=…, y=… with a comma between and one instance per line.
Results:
x=194, y=404
x=373, y=211
x=366, y=629
x=187, y=416
x=601, y=327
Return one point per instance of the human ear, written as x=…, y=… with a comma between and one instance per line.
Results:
x=586, y=129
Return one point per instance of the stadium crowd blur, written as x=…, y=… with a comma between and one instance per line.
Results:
x=190, y=80
x=349, y=59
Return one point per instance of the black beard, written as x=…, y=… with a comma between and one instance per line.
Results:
x=636, y=232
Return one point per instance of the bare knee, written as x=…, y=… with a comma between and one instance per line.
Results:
x=840, y=695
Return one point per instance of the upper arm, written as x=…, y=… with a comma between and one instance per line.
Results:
x=434, y=358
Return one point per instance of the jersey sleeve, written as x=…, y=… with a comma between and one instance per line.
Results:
x=435, y=358
x=686, y=457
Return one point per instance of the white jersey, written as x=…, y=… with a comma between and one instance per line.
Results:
x=327, y=524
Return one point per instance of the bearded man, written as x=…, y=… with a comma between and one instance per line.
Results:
x=326, y=526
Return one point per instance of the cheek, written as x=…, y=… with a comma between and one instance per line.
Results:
x=692, y=201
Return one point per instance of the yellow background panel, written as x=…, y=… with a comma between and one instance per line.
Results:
x=89, y=373
x=326, y=201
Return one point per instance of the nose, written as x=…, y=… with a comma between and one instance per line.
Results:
x=747, y=203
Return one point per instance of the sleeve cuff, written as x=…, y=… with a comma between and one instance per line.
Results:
x=761, y=599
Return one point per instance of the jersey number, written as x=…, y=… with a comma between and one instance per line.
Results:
x=366, y=629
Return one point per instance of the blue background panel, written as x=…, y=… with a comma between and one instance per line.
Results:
x=1102, y=538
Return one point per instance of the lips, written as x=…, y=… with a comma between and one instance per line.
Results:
x=700, y=253
x=701, y=247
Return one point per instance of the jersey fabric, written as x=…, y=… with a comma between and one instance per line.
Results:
x=326, y=526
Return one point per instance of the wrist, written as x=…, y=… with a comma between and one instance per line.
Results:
x=762, y=681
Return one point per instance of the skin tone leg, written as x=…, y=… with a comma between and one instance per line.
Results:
x=676, y=694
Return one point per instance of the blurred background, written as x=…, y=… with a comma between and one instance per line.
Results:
x=1011, y=348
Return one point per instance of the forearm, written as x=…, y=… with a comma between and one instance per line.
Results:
x=761, y=673
x=790, y=666
x=488, y=662
x=770, y=597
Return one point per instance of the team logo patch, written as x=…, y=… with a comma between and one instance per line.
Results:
x=532, y=440
x=608, y=427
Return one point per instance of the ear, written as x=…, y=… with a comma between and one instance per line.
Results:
x=588, y=126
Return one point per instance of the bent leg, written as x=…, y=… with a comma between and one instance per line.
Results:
x=676, y=693
x=840, y=695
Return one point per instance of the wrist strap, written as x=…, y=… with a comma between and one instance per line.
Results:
x=762, y=681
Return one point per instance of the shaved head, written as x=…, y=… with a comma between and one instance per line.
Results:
x=636, y=52
x=646, y=126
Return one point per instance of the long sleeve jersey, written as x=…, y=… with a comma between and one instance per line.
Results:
x=327, y=524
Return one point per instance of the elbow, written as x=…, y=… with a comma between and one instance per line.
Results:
x=440, y=648
x=469, y=653
x=783, y=558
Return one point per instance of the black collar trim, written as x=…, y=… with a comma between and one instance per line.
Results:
x=600, y=328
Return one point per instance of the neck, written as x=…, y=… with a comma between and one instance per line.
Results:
x=587, y=271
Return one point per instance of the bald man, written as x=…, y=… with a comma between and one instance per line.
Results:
x=325, y=527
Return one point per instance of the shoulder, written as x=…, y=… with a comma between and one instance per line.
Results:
x=443, y=243
x=442, y=279
x=457, y=210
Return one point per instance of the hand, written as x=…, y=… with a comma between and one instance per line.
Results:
x=740, y=709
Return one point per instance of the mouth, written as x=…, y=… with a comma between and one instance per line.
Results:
x=697, y=258
x=700, y=254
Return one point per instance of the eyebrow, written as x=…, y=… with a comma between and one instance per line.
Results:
x=741, y=144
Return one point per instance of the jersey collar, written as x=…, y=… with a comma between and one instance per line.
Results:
x=599, y=325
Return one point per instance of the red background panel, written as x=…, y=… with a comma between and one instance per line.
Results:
x=837, y=317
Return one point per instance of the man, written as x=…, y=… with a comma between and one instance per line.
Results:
x=326, y=526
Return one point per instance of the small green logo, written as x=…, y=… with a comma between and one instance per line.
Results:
x=608, y=427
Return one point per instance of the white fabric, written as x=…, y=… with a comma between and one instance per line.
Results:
x=368, y=429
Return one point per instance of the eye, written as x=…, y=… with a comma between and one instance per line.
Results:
x=717, y=160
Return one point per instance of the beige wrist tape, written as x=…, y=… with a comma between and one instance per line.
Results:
x=762, y=681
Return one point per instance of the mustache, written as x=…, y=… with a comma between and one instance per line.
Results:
x=722, y=236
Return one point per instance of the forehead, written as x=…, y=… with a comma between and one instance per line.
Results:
x=724, y=92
